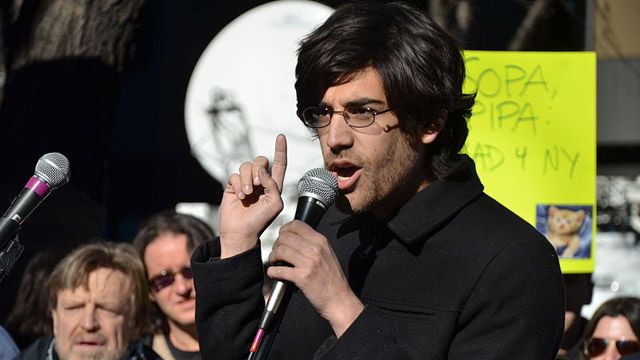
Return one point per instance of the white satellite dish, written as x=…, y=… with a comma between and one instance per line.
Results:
x=241, y=95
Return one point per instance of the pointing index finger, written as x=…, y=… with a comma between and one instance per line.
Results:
x=279, y=167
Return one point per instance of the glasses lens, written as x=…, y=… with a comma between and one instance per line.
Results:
x=162, y=281
x=166, y=279
x=316, y=117
x=360, y=117
x=596, y=346
x=186, y=272
x=626, y=347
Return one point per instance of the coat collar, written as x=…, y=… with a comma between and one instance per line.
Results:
x=435, y=204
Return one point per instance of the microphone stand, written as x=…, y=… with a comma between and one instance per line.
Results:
x=10, y=250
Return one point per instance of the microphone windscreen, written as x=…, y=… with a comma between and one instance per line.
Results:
x=53, y=168
x=320, y=184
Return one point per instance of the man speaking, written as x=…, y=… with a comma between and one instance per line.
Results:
x=414, y=261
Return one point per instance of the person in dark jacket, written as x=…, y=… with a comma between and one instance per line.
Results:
x=99, y=302
x=414, y=261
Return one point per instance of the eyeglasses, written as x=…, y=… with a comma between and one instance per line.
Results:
x=597, y=346
x=320, y=116
x=167, y=278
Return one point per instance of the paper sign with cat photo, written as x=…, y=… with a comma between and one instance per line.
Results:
x=568, y=228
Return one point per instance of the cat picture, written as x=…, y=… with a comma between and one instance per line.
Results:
x=563, y=226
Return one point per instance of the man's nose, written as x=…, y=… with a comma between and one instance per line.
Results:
x=90, y=319
x=338, y=134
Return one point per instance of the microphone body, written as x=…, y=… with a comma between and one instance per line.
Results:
x=310, y=210
x=33, y=193
x=52, y=171
x=317, y=190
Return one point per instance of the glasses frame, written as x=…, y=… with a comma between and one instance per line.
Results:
x=157, y=286
x=345, y=115
x=620, y=346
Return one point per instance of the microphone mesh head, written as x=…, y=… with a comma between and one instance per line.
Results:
x=320, y=184
x=53, y=168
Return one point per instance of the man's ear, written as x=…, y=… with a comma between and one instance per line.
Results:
x=432, y=132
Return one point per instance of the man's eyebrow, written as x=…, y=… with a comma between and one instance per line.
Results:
x=70, y=302
x=357, y=102
x=364, y=101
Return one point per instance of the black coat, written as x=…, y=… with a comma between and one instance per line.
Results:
x=453, y=275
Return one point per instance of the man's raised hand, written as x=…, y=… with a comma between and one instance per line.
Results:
x=252, y=200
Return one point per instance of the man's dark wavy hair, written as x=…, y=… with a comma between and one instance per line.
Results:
x=421, y=67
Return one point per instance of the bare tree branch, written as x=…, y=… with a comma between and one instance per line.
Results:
x=439, y=12
x=529, y=24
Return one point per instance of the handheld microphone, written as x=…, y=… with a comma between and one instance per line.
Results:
x=317, y=190
x=52, y=171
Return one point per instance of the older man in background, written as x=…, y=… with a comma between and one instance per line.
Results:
x=98, y=298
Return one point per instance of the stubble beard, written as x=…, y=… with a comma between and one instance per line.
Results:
x=94, y=355
x=394, y=186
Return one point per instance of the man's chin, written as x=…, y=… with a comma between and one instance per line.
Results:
x=98, y=354
x=345, y=206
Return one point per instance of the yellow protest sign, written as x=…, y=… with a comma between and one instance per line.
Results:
x=533, y=138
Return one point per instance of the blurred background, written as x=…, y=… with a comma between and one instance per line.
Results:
x=106, y=83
